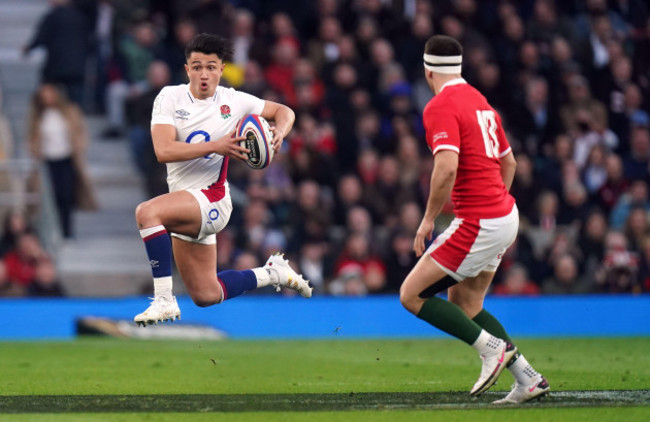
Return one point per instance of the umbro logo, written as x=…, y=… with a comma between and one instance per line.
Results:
x=182, y=114
x=153, y=263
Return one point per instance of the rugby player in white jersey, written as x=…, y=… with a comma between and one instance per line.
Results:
x=193, y=130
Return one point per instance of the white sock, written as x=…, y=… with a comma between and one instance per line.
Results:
x=264, y=277
x=486, y=343
x=151, y=230
x=522, y=371
x=162, y=287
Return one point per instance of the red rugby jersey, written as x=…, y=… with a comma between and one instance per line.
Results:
x=460, y=119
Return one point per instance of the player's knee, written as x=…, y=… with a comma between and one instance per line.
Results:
x=409, y=301
x=144, y=213
x=205, y=299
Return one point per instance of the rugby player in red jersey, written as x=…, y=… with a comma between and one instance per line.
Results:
x=473, y=163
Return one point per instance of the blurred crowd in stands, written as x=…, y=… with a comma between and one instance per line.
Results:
x=570, y=78
x=26, y=268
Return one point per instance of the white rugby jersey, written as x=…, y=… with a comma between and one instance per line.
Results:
x=201, y=121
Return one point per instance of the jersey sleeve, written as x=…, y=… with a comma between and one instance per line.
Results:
x=250, y=104
x=504, y=145
x=442, y=130
x=163, y=109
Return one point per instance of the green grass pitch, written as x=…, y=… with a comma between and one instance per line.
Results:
x=346, y=380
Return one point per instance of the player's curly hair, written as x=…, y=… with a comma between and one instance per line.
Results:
x=210, y=44
x=442, y=45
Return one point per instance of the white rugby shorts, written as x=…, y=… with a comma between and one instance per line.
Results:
x=470, y=246
x=214, y=217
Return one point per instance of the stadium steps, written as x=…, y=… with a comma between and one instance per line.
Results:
x=107, y=257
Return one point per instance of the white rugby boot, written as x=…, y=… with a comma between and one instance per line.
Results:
x=494, y=362
x=286, y=276
x=521, y=393
x=160, y=310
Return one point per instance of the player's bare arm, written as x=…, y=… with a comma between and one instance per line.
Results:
x=442, y=182
x=508, y=167
x=168, y=150
x=283, y=117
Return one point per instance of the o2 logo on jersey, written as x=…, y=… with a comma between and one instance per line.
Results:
x=206, y=138
x=488, y=123
x=213, y=215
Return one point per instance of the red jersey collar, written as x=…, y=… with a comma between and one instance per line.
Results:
x=456, y=81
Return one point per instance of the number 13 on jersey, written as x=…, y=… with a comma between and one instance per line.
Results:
x=488, y=123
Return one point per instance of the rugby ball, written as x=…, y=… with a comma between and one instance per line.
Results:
x=258, y=136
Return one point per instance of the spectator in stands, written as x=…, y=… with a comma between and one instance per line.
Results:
x=550, y=172
x=136, y=51
x=545, y=24
x=45, y=282
x=254, y=82
x=315, y=263
x=244, y=260
x=324, y=49
x=636, y=196
x=174, y=51
x=227, y=250
x=338, y=100
x=598, y=8
x=601, y=30
x=592, y=131
x=64, y=34
x=15, y=224
x=507, y=46
x=637, y=162
x=610, y=89
x=522, y=252
x=537, y=121
x=349, y=195
x=22, y=261
x=279, y=73
x=592, y=243
x=6, y=136
x=213, y=17
x=408, y=156
x=255, y=226
x=575, y=205
x=357, y=258
x=138, y=113
x=516, y=282
x=58, y=138
x=359, y=222
x=243, y=37
x=644, y=267
x=581, y=106
x=400, y=260
x=562, y=67
x=637, y=228
x=594, y=174
x=7, y=287
x=634, y=111
x=409, y=45
x=615, y=184
x=618, y=272
x=565, y=279
x=310, y=214
x=348, y=282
